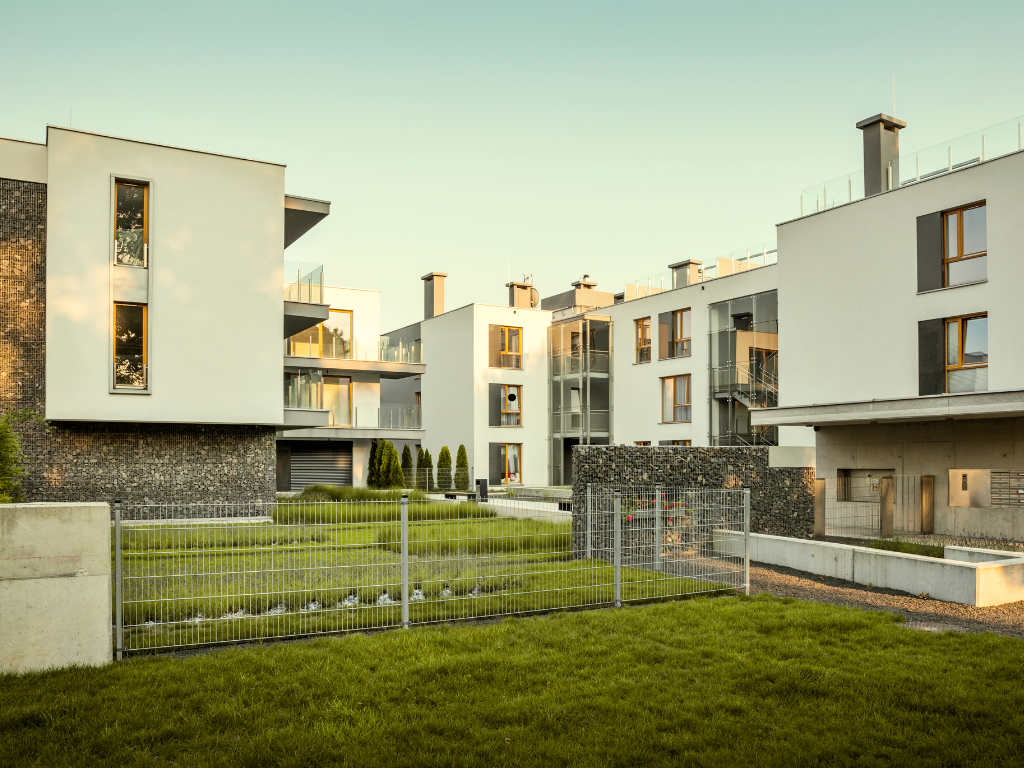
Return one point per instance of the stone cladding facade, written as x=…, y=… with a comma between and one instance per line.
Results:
x=781, y=499
x=89, y=461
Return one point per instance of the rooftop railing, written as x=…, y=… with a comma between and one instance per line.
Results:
x=913, y=167
x=743, y=260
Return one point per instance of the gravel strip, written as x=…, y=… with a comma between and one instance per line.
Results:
x=920, y=613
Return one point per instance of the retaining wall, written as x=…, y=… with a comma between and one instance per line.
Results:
x=54, y=586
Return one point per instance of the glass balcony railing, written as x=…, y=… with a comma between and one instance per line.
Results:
x=913, y=167
x=303, y=282
x=398, y=350
x=743, y=260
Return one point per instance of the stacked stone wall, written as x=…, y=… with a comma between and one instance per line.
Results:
x=89, y=461
x=781, y=499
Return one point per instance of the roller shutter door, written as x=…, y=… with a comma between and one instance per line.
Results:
x=321, y=463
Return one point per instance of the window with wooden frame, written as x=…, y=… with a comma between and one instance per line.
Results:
x=511, y=460
x=965, y=245
x=511, y=350
x=641, y=442
x=331, y=338
x=131, y=224
x=511, y=405
x=675, y=399
x=130, y=363
x=680, y=342
x=680, y=442
x=967, y=354
x=643, y=340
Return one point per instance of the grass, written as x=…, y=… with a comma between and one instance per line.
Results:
x=326, y=492
x=723, y=682
x=907, y=547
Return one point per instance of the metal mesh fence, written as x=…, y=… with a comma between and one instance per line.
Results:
x=874, y=507
x=194, y=575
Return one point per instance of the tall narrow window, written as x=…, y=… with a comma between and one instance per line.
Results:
x=511, y=348
x=511, y=405
x=510, y=457
x=967, y=354
x=680, y=334
x=675, y=399
x=966, y=245
x=131, y=224
x=643, y=340
x=337, y=399
x=130, y=346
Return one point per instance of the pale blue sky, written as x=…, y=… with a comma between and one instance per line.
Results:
x=563, y=137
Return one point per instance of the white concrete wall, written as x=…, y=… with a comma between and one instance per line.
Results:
x=848, y=303
x=215, y=307
x=447, y=386
x=22, y=160
x=637, y=386
x=54, y=586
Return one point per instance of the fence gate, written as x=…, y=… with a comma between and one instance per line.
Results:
x=193, y=575
x=878, y=507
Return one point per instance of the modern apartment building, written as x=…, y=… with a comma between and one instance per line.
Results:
x=332, y=374
x=123, y=267
x=897, y=292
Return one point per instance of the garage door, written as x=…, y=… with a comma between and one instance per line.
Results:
x=321, y=463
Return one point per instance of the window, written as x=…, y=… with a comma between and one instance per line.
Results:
x=675, y=399
x=679, y=442
x=511, y=349
x=680, y=343
x=511, y=405
x=337, y=399
x=331, y=338
x=130, y=346
x=965, y=245
x=642, y=442
x=643, y=340
x=967, y=354
x=510, y=457
x=131, y=224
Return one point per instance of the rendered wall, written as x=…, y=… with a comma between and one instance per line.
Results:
x=215, y=302
x=54, y=586
x=848, y=303
x=447, y=386
x=933, y=448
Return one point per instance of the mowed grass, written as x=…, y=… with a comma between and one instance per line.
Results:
x=709, y=682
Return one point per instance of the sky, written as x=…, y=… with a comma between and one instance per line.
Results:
x=492, y=140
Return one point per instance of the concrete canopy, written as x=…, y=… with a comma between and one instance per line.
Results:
x=301, y=214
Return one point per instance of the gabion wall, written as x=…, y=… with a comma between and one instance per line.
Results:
x=85, y=461
x=781, y=500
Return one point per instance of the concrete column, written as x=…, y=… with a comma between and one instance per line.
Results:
x=927, y=503
x=886, y=504
x=819, y=509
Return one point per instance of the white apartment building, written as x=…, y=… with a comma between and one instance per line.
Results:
x=900, y=347
x=142, y=316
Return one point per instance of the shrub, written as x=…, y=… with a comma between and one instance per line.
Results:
x=444, y=469
x=326, y=492
x=11, y=467
x=391, y=467
x=373, y=478
x=425, y=471
x=407, y=465
x=462, y=470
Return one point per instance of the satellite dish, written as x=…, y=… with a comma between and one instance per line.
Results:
x=534, y=298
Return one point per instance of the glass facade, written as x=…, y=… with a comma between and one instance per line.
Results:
x=743, y=340
x=580, y=384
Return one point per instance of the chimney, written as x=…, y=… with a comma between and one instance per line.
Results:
x=881, y=151
x=433, y=294
x=522, y=295
x=685, y=273
x=584, y=284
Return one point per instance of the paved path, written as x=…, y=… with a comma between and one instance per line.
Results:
x=919, y=612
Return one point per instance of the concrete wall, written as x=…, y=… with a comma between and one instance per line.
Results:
x=848, y=302
x=933, y=448
x=447, y=386
x=54, y=586
x=22, y=161
x=637, y=386
x=215, y=296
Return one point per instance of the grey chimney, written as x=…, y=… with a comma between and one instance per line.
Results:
x=433, y=294
x=522, y=295
x=881, y=151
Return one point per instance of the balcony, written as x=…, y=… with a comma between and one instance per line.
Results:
x=573, y=423
x=744, y=260
x=914, y=167
x=303, y=297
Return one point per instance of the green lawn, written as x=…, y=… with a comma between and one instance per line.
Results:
x=728, y=681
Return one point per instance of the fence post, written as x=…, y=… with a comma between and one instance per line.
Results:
x=657, y=527
x=746, y=541
x=590, y=514
x=819, y=509
x=885, y=505
x=617, y=546
x=405, y=560
x=118, y=602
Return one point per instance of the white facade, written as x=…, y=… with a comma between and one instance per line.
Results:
x=212, y=287
x=456, y=388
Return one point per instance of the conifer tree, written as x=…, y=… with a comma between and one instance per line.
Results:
x=444, y=469
x=461, y=470
x=392, y=469
x=428, y=471
x=407, y=466
x=373, y=476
